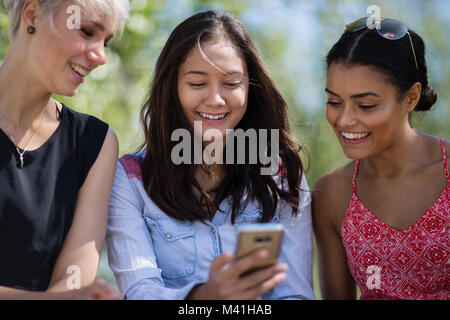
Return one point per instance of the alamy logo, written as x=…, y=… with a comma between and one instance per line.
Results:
x=374, y=19
x=74, y=20
x=235, y=149
x=374, y=280
x=74, y=280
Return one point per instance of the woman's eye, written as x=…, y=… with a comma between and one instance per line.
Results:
x=86, y=32
x=366, y=106
x=333, y=103
x=233, y=84
x=196, y=85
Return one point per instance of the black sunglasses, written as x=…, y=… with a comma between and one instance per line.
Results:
x=387, y=28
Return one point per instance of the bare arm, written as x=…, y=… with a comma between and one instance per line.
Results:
x=336, y=281
x=83, y=244
x=7, y=293
x=100, y=289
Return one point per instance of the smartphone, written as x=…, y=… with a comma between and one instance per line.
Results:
x=254, y=236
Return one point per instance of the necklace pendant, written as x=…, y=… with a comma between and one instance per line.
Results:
x=21, y=162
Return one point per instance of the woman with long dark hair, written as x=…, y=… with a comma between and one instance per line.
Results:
x=382, y=221
x=171, y=226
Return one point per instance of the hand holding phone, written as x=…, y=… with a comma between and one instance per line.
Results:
x=247, y=274
x=252, y=237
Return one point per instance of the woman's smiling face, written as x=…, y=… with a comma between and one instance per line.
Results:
x=214, y=92
x=363, y=109
x=64, y=56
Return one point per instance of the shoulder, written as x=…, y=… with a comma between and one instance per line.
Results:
x=334, y=182
x=132, y=164
x=332, y=193
x=431, y=143
x=94, y=144
x=110, y=145
x=83, y=121
x=447, y=148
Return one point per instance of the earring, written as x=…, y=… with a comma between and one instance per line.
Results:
x=31, y=30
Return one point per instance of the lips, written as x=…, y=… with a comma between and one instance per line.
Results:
x=354, y=137
x=213, y=116
x=83, y=72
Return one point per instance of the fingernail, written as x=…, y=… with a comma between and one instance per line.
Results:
x=284, y=267
x=281, y=276
x=263, y=253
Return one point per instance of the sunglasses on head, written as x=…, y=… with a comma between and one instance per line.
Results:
x=387, y=28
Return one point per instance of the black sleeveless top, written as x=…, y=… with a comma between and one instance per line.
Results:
x=37, y=202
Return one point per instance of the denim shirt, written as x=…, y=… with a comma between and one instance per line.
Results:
x=154, y=256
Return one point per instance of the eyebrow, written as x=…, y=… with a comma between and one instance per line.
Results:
x=97, y=24
x=195, y=72
x=358, y=95
x=231, y=73
x=235, y=73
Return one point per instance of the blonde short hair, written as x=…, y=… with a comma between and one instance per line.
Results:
x=115, y=10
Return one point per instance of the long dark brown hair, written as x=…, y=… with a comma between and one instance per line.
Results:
x=169, y=185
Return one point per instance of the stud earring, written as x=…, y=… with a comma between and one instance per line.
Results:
x=31, y=30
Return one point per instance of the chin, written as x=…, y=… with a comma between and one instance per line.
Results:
x=355, y=155
x=67, y=92
x=71, y=94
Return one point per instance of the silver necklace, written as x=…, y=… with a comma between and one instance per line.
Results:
x=21, y=154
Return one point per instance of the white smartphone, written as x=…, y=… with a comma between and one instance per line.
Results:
x=254, y=236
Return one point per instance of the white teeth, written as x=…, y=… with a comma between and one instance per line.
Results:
x=352, y=136
x=211, y=117
x=80, y=70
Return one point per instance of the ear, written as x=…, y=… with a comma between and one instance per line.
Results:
x=412, y=96
x=30, y=13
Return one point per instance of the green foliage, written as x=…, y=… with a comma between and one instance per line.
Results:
x=4, y=39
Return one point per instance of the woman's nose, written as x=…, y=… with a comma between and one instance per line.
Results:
x=346, y=118
x=96, y=54
x=214, y=97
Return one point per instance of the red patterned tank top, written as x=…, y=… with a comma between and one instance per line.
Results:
x=392, y=264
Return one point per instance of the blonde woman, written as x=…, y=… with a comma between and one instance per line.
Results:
x=56, y=165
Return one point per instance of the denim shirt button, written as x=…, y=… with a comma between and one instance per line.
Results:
x=213, y=230
x=168, y=235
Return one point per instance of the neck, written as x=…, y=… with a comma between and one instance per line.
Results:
x=210, y=176
x=395, y=159
x=22, y=97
